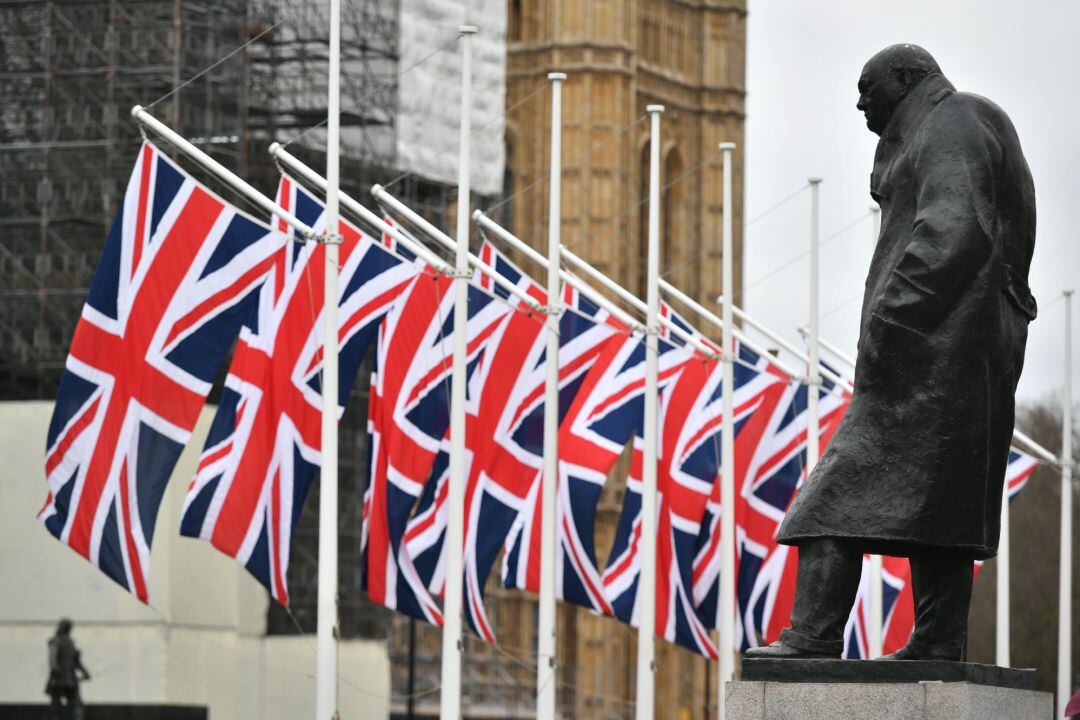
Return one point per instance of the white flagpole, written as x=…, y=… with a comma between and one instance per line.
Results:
x=327, y=623
x=545, y=640
x=1002, y=609
x=450, y=698
x=1064, y=660
x=646, y=648
x=727, y=444
x=813, y=451
x=875, y=599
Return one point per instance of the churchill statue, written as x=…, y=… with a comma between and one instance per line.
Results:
x=917, y=466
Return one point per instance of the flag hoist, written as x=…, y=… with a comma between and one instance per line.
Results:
x=327, y=599
x=646, y=647
x=545, y=641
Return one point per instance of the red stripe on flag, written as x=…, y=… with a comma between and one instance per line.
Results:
x=140, y=222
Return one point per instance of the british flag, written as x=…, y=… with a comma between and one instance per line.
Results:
x=897, y=609
x=770, y=459
x=505, y=431
x=264, y=445
x=603, y=417
x=509, y=466
x=687, y=477
x=623, y=565
x=179, y=273
x=408, y=421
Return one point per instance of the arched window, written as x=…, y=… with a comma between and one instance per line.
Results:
x=677, y=246
x=513, y=21
x=640, y=281
x=677, y=249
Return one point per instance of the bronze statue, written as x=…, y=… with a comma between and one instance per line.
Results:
x=917, y=466
x=65, y=667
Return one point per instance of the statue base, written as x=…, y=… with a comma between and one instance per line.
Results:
x=886, y=671
x=899, y=690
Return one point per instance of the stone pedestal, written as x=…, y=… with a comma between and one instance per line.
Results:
x=839, y=690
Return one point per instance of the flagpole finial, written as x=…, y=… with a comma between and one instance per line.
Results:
x=467, y=29
x=814, y=180
x=654, y=108
x=727, y=145
x=556, y=76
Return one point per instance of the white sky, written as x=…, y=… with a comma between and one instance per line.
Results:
x=804, y=59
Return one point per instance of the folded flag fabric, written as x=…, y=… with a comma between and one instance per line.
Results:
x=264, y=445
x=504, y=431
x=408, y=423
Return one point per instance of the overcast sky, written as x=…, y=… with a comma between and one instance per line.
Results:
x=804, y=59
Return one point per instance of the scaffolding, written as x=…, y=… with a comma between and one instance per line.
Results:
x=69, y=73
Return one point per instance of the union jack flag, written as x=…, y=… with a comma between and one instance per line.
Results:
x=509, y=465
x=505, y=429
x=897, y=609
x=264, y=445
x=179, y=273
x=621, y=572
x=770, y=460
x=601, y=420
x=408, y=422
x=687, y=477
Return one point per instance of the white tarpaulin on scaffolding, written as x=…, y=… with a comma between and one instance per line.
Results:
x=429, y=95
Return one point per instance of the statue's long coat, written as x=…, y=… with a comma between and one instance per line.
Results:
x=919, y=458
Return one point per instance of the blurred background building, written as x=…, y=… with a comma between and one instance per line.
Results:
x=71, y=70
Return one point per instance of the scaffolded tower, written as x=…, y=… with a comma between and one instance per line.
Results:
x=69, y=74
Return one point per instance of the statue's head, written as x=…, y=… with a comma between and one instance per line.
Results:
x=887, y=78
x=63, y=627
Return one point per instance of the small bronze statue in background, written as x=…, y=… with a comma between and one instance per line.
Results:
x=917, y=466
x=65, y=667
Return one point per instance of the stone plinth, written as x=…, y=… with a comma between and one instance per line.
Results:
x=843, y=689
x=758, y=700
x=886, y=671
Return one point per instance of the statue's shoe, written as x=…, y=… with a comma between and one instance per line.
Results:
x=916, y=650
x=780, y=650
